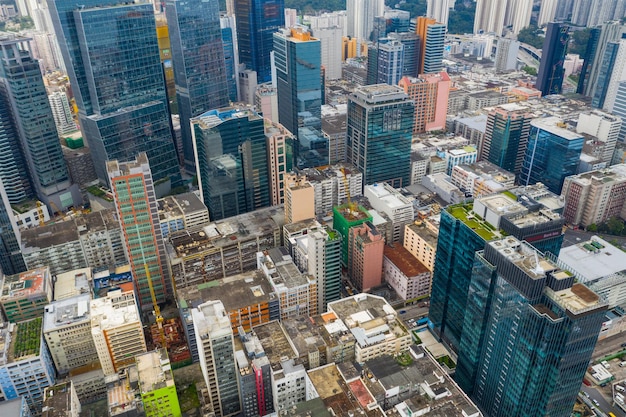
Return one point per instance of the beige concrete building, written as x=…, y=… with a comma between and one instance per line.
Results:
x=421, y=242
x=277, y=138
x=117, y=330
x=299, y=199
x=409, y=277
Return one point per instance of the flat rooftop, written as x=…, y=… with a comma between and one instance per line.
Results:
x=551, y=125
x=155, y=371
x=66, y=312
x=57, y=400
x=463, y=213
x=426, y=233
x=25, y=340
x=72, y=283
x=389, y=196
x=25, y=284
x=578, y=299
x=107, y=315
x=405, y=261
x=275, y=343
x=213, y=118
x=524, y=256
x=593, y=259
x=304, y=334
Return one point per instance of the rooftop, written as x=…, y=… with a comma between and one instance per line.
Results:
x=66, y=312
x=186, y=203
x=463, y=212
x=275, y=343
x=72, y=283
x=524, y=256
x=379, y=94
x=122, y=393
x=282, y=271
x=210, y=318
x=213, y=118
x=407, y=263
x=425, y=232
x=25, y=340
x=578, y=299
x=25, y=284
x=304, y=334
x=114, y=310
x=555, y=126
x=154, y=370
x=57, y=400
x=593, y=259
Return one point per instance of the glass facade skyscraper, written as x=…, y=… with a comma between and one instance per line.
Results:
x=379, y=131
x=11, y=259
x=551, y=155
x=506, y=137
x=227, y=24
x=257, y=20
x=27, y=116
x=551, y=71
x=117, y=79
x=199, y=65
x=529, y=333
x=231, y=161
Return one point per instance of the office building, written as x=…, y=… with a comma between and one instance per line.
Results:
x=373, y=323
x=11, y=259
x=605, y=74
x=398, y=208
x=24, y=99
x=594, y=197
x=551, y=72
x=463, y=230
x=61, y=400
x=25, y=295
x=232, y=161
x=604, y=128
x=60, y=106
x=381, y=154
x=506, y=54
x=199, y=64
x=599, y=39
x=454, y=157
x=361, y=14
x=133, y=190
x=527, y=342
x=255, y=377
x=615, y=59
x=67, y=331
x=299, y=87
x=299, y=198
x=280, y=143
x=231, y=59
x=330, y=50
x=552, y=154
x=25, y=364
x=619, y=108
x=165, y=52
x=439, y=10
x=214, y=337
x=16, y=407
x=391, y=21
x=481, y=178
x=117, y=330
x=256, y=22
x=332, y=185
x=122, y=103
x=156, y=382
x=432, y=36
x=506, y=136
x=365, y=256
x=430, y=94
x=387, y=62
x=490, y=15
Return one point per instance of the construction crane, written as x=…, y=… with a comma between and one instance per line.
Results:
x=155, y=306
x=40, y=213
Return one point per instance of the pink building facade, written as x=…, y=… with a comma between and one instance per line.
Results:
x=365, y=249
x=430, y=93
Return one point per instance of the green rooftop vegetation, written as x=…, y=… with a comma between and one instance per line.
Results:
x=332, y=234
x=27, y=338
x=510, y=195
x=404, y=359
x=483, y=229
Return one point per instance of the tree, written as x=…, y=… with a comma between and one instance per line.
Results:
x=578, y=42
x=530, y=35
x=529, y=70
x=461, y=18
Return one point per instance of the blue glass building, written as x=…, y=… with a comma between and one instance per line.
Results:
x=298, y=60
x=199, y=64
x=114, y=67
x=506, y=137
x=604, y=76
x=257, y=20
x=32, y=155
x=11, y=260
x=433, y=49
x=551, y=71
x=230, y=57
x=551, y=155
x=231, y=161
x=529, y=333
x=379, y=132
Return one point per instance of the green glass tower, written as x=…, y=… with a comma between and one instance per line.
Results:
x=345, y=217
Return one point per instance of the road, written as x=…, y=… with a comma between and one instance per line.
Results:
x=573, y=237
x=609, y=345
x=603, y=405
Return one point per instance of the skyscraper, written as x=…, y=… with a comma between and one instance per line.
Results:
x=551, y=155
x=216, y=349
x=23, y=94
x=199, y=65
x=605, y=74
x=231, y=161
x=432, y=36
x=518, y=13
x=117, y=79
x=61, y=112
x=257, y=20
x=506, y=136
x=612, y=80
x=529, y=333
x=135, y=202
x=299, y=83
x=380, y=125
x=231, y=60
x=11, y=259
x=490, y=16
x=439, y=10
x=430, y=93
x=547, y=12
x=361, y=14
x=390, y=59
x=599, y=39
x=551, y=72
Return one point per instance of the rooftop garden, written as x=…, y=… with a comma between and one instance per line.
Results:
x=474, y=222
x=27, y=338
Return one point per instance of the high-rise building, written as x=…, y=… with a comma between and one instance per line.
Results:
x=116, y=330
x=599, y=39
x=11, y=259
x=298, y=77
x=156, y=382
x=430, y=93
x=214, y=337
x=60, y=106
x=518, y=13
x=361, y=14
x=199, y=65
x=391, y=21
x=551, y=155
x=231, y=59
x=439, y=10
x=506, y=136
x=398, y=208
x=529, y=332
x=580, y=12
x=490, y=16
x=255, y=377
x=133, y=190
x=389, y=62
x=605, y=74
x=619, y=108
x=412, y=45
x=232, y=164
x=365, y=256
x=380, y=125
x=551, y=72
x=602, y=126
x=615, y=57
x=23, y=296
x=117, y=81
x=299, y=198
x=432, y=36
x=23, y=94
x=547, y=12
x=346, y=217
x=279, y=158
x=331, y=50
x=256, y=22
x=506, y=54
